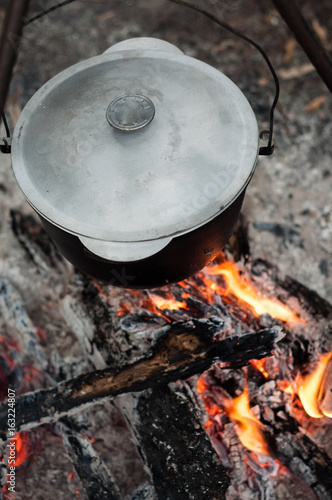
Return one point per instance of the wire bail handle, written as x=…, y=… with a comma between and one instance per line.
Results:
x=266, y=145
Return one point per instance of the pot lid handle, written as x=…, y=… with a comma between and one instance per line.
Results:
x=144, y=43
x=130, y=112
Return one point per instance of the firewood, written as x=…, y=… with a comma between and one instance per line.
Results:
x=306, y=460
x=182, y=349
x=143, y=492
x=173, y=444
x=92, y=471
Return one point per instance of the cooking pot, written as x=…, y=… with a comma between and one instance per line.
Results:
x=137, y=161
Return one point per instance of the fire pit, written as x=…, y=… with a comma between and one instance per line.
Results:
x=257, y=418
x=58, y=326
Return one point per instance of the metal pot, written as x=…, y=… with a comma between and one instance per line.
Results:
x=137, y=162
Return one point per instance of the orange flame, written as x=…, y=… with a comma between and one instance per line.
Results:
x=211, y=288
x=245, y=292
x=287, y=387
x=171, y=305
x=248, y=427
x=310, y=388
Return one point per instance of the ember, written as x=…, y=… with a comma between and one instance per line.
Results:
x=260, y=365
x=22, y=448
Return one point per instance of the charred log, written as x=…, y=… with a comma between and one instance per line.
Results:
x=308, y=299
x=304, y=458
x=93, y=473
x=144, y=492
x=37, y=245
x=182, y=350
x=316, y=305
x=175, y=448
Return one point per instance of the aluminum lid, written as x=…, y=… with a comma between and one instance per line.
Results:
x=193, y=158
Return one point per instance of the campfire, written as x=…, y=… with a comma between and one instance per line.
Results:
x=265, y=402
x=223, y=380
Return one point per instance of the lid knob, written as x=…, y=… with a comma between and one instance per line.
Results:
x=130, y=112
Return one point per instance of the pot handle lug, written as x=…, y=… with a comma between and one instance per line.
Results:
x=265, y=149
x=6, y=145
x=124, y=251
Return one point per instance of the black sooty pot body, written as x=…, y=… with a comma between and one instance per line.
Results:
x=182, y=257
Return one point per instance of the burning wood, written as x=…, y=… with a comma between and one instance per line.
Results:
x=23, y=448
x=277, y=447
x=182, y=350
x=116, y=330
x=264, y=429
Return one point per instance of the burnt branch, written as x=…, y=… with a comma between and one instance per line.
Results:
x=174, y=446
x=304, y=458
x=182, y=350
x=92, y=471
x=144, y=492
